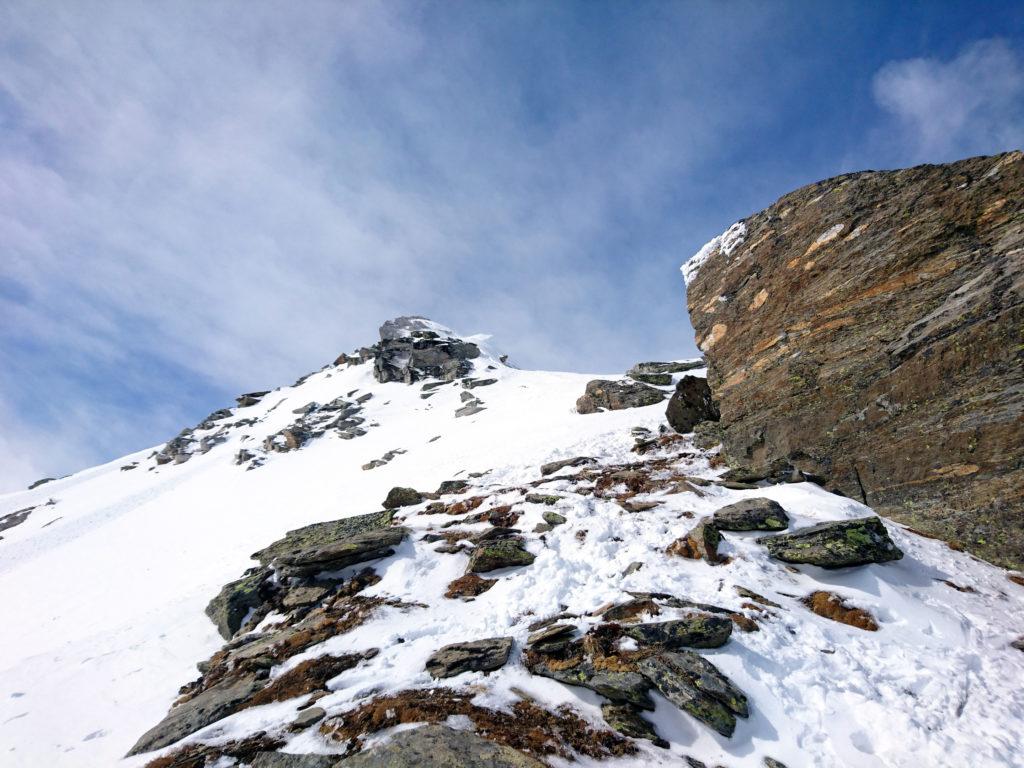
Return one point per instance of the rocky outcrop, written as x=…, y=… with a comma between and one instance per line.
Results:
x=439, y=745
x=751, y=515
x=867, y=329
x=412, y=349
x=602, y=395
x=478, y=656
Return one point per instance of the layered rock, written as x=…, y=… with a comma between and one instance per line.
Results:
x=867, y=329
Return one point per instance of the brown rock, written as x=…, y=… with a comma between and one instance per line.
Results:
x=867, y=330
x=832, y=606
x=700, y=543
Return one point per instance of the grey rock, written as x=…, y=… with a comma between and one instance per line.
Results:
x=250, y=398
x=691, y=404
x=452, y=486
x=284, y=760
x=307, y=717
x=12, y=519
x=553, y=518
x=552, y=638
x=602, y=394
x=627, y=720
x=673, y=676
x=474, y=383
x=541, y=498
x=503, y=553
x=553, y=466
x=402, y=497
x=478, y=656
x=835, y=545
x=674, y=367
x=214, y=703
x=771, y=762
x=626, y=687
x=42, y=481
x=438, y=746
x=473, y=408
x=234, y=601
x=698, y=630
x=752, y=515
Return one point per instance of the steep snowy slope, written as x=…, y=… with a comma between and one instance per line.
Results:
x=104, y=590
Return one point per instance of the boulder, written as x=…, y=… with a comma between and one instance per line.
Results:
x=478, y=656
x=627, y=720
x=412, y=349
x=623, y=686
x=866, y=329
x=250, y=398
x=402, y=497
x=604, y=395
x=502, y=553
x=654, y=379
x=663, y=368
x=438, y=746
x=697, y=687
x=835, y=545
x=452, y=486
x=286, y=760
x=551, y=639
x=690, y=404
x=752, y=515
x=234, y=601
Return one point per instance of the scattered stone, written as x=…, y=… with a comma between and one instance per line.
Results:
x=503, y=553
x=234, y=602
x=250, y=398
x=452, y=486
x=752, y=515
x=542, y=498
x=700, y=543
x=836, y=544
x=691, y=404
x=12, y=519
x=751, y=595
x=553, y=466
x=627, y=720
x=469, y=585
x=402, y=497
x=478, y=656
x=470, y=383
x=697, y=630
x=602, y=395
x=40, y=482
x=473, y=407
x=632, y=568
x=553, y=519
x=832, y=606
x=439, y=745
x=630, y=610
x=551, y=639
x=1018, y=643
x=696, y=686
x=770, y=762
x=128, y=467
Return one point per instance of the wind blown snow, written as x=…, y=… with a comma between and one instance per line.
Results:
x=724, y=243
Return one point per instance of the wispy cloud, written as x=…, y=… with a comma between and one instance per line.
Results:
x=970, y=104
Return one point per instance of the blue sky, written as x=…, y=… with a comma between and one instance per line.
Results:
x=198, y=199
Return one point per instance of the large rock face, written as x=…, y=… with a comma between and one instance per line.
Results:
x=868, y=329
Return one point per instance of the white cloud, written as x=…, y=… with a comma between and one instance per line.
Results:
x=971, y=104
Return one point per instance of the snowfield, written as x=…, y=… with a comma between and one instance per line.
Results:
x=104, y=590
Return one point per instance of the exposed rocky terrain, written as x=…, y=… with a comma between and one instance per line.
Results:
x=867, y=330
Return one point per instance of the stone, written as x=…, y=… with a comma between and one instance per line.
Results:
x=541, y=498
x=751, y=515
x=836, y=544
x=474, y=383
x=553, y=519
x=472, y=408
x=706, y=435
x=502, y=553
x=402, y=497
x=452, y=486
x=250, y=398
x=701, y=543
x=697, y=687
x=602, y=394
x=553, y=466
x=690, y=404
x=296, y=597
x=656, y=368
x=409, y=354
x=872, y=338
x=216, y=702
x=469, y=585
x=286, y=760
x=698, y=630
x=17, y=517
x=654, y=379
x=438, y=746
x=307, y=717
x=771, y=762
x=632, y=568
x=234, y=601
x=622, y=686
x=627, y=720
x=551, y=639
x=478, y=656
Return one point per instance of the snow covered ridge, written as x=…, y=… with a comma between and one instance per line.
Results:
x=724, y=243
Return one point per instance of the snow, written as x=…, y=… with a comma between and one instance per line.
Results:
x=104, y=607
x=724, y=243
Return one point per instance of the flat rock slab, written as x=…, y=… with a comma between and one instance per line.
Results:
x=334, y=556
x=625, y=687
x=603, y=394
x=835, y=545
x=478, y=656
x=437, y=746
x=211, y=705
x=553, y=466
x=752, y=515
x=680, y=679
x=320, y=534
x=698, y=630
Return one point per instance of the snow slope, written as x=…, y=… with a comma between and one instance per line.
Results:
x=104, y=591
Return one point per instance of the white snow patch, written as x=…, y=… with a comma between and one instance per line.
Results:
x=724, y=243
